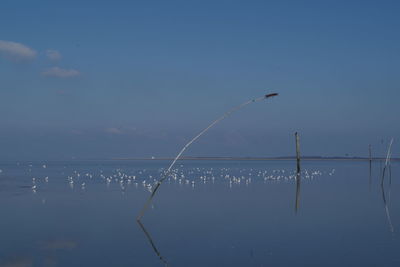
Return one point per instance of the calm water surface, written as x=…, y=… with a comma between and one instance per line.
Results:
x=210, y=213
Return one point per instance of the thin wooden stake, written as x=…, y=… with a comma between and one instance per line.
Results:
x=297, y=151
x=370, y=155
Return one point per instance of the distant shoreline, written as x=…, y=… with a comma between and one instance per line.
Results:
x=264, y=158
x=306, y=158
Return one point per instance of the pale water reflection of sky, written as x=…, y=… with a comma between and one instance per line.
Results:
x=237, y=213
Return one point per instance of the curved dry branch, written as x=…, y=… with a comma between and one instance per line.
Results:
x=165, y=175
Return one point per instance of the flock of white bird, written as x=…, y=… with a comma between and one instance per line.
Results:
x=146, y=178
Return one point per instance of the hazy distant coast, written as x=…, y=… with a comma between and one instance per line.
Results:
x=260, y=158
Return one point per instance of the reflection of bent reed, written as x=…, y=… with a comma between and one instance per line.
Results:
x=152, y=243
x=387, y=209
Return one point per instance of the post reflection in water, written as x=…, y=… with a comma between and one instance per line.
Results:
x=370, y=175
x=148, y=236
x=297, y=204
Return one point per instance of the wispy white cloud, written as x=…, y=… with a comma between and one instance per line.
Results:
x=53, y=54
x=113, y=130
x=126, y=130
x=77, y=132
x=60, y=73
x=16, y=51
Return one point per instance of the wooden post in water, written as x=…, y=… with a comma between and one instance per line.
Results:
x=370, y=165
x=298, y=177
x=370, y=155
x=297, y=151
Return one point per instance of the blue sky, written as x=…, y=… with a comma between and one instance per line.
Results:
x=105, y=79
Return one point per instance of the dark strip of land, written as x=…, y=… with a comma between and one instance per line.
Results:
x=261, y=158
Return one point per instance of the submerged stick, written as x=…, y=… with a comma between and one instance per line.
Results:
x=227, y=114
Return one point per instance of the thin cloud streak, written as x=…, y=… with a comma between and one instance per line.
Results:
x=60, y=73
x=53, y=54
x=113, y=130
x=16, y=51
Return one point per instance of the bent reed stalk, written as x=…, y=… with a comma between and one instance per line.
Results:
x=165, y=175
x=388, y=157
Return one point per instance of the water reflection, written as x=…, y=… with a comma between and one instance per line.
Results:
x=370, y=175
x=244, y=177
x=249, y=181
x=59, y=245
x=148, y=236
x=18, y=262
x=387, y=208
x=297, y=204
x=385, y=202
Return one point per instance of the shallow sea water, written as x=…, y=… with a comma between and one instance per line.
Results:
x=209, y=213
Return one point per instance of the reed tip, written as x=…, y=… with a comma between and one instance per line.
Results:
x=271, y=95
